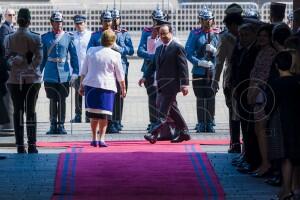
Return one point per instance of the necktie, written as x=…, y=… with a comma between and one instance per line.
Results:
x=163, y=51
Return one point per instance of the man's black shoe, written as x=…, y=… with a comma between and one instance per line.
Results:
x=32, y=148
x=77, y=119
x=21, y=149
x=182, y=136
x=201, y=128
x=111, y=128
x=119, y=126
x=61, y=129
x=53, y=130
x=151, y=138
x=238, y=160
x=210, y=128
x=245, y=168
x=235, y=148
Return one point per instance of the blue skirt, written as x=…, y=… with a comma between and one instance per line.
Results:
x=99, y=103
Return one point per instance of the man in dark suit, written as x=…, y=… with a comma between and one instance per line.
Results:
x=170, y=65
x=296, y=24
x=5, y=29
x=242, y=61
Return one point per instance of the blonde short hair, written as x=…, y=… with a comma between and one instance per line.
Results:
x=108, y=38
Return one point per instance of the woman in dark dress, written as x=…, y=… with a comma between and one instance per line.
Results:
x=287, y=96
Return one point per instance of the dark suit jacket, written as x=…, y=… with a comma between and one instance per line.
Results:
x=5, y=29
x=171, y=69
x=244, y=67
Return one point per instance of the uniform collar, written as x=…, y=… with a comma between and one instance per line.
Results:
x=57, y=32
x=82, y=32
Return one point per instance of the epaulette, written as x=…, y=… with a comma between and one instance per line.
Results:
x=34, y=33
x=147, y=29
x=99, y=31
x=196, y=31
x=123, y=30
x=44, y=34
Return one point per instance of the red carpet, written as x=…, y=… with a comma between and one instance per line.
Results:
x=69, y=144
x=136, y=171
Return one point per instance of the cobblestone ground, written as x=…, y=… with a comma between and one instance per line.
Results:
x=31, y=177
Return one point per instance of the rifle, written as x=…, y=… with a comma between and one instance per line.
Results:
x=209, y=57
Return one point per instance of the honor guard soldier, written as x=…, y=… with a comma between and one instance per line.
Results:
x=106, y=21
x=57, y=45
x=201, y=48
x=23, y=50
x=227, y=42
x=82, y=37
x=125, y=48
x=148, y=60
x=251, y=14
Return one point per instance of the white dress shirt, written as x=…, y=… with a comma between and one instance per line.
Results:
x=101, y=67
x=81, y=41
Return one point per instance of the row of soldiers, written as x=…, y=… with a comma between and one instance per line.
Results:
x=59, y=56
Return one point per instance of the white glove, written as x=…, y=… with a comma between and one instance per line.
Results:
x=16, y=60
x=205, y=64
x=210, y=48
x=74, y=77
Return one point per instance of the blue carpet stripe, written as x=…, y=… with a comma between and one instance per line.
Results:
x=64, y=176
x=197, y=170
x=72, y=181
x=203, y=167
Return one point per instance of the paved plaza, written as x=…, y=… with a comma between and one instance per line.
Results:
x=31, y=177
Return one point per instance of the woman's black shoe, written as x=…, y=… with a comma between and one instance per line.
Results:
x=261, y=175
x=274, y=181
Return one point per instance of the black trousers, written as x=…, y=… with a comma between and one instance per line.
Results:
x=119, y=102
x=78, y=98
x=234, y=122
x=57, y=93
x=168, y=111
x=205, y=98
x=24, y=97
x=152, y=93
x=250, y=142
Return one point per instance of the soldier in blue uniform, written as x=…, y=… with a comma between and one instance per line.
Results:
x=57, y=45
x=124, y=47
x=201, y=50
x=106, y=21
x=148, y=60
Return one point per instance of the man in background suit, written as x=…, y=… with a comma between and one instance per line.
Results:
x=296, y=24
x=7, y=28
x=170, y=64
